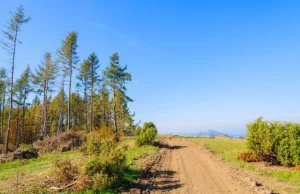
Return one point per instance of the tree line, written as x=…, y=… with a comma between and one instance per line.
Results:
x=100, y=98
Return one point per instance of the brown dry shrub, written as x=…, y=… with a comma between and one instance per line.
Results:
x=63, y=142
x=66, y=172
x=23, y=152
x=296, y=168
x=249, y=157
x=6, y=157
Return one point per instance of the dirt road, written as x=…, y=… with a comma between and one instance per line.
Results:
x=189, y=168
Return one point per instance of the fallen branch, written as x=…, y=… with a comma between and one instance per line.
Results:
x=64, y=187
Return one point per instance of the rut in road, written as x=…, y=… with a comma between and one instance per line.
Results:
x=189, y=168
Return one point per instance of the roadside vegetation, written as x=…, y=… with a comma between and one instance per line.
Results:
x=146, y=135
x=283, y=179
x=94, y=168
x=277, y=143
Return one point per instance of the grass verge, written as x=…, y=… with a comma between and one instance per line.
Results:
x=229, y=149
x=132, y=155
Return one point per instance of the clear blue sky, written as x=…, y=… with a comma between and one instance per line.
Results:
x=196, y=65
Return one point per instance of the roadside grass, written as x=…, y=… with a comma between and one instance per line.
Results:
x=229, y=149
x=32, y=166
x=44, y=164
x=132, y=155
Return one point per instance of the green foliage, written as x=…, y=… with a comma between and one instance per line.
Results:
x=146, y=134
x=67, y=54
x=289, y=146
x=116, y=77
x=275, y=142
x=106, y=163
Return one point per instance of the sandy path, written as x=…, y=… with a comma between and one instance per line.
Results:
x=184, y=167
x=191, y=170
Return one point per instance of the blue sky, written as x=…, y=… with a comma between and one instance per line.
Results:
x=196, y=65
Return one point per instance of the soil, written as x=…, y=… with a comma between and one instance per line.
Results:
x=189, y=168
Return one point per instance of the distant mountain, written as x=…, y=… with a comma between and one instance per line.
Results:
x=213, y=133
x=210, y=133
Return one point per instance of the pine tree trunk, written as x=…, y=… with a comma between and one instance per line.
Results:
x=1, y=112
x=92, y=95
x=2, y=117
x=44, y=111
x=86, y=108
x=61, y=107
x=11, y=91
x=115, y=113
x=69, y=101
x=23, y=115
x=17, y=129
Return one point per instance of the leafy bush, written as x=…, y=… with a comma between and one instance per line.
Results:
x=274, y=142
x=289, y=146
x=146, y=135
x=106, y=163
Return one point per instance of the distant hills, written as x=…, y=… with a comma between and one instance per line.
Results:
x=213, y=133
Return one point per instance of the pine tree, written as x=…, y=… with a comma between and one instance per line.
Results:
x=44, y=79
x=84, y=84
x=22, y=90
x=68, y=57
x=9, y=44
x=3, y=86
x=94, y=80
x=116, y=77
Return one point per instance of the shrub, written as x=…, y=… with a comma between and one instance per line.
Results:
x=289, y=145
x=65, y=171
x=146, y=135
x=63, y=142
x=249, y=157
x=274, y=142
x=106, y=163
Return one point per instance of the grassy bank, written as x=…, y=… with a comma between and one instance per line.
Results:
x=288, y=180
x=34, y=166
x=132, y=156
x=34, y=171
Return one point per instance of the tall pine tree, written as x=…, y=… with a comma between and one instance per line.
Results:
x=44, y=79
x=9, y=44
x=116, y=78
x=68, y=57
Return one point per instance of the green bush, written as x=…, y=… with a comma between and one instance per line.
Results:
x=106, y=163
x=275, y=142
x=289, y=146
x=146, y=134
